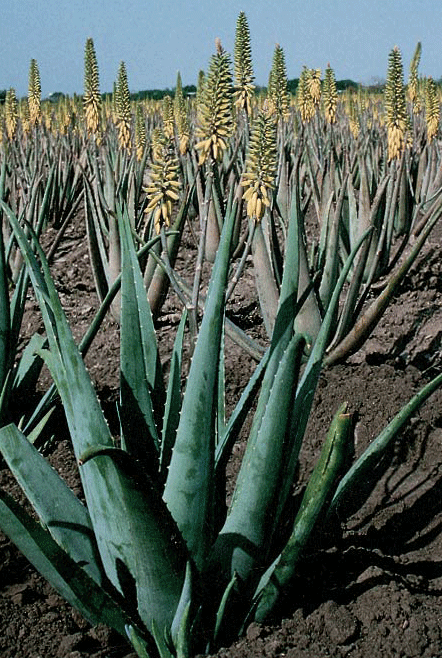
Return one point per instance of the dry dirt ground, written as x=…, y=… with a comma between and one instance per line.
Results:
x=377, y=591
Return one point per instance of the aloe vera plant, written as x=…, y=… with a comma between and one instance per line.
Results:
x=142, y=554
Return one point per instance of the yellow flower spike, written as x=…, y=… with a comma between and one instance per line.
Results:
x=11, y=113
x=261, y=165
x=277, y=87
x=123, y=109
x=432, y=109
x=162, y=190
x=172, y=195
x=243, y=66
x=214, y=110
x=329, y=95
x=34, y=95
x=181, y=120
x=398, y=124
x=91, y=98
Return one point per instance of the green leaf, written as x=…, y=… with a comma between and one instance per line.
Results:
x=137, y=642
x=138, y=543
x=246, y=535
x=141, y=386
x=29, y=366
x=358, y=482
x=5, y=320
x=223, y=608
x=238, y=416
x=54, y=564
x=320, y=488
x=181, y=626
x=189, y=485
x=173, y=398
x=66, y=518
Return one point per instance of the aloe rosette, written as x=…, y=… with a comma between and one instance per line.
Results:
x=154, y=552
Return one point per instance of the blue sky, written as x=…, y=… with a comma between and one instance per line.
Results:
x=157, y=39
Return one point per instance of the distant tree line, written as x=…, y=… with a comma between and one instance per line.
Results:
x=190, y=90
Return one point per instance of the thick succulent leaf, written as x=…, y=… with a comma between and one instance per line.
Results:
x=140, y=367
x=173, y=398
x=5, y=320
x=307, y=385
x=221, y=401
x=140, y=541
x=322, y=483
x=34, y=434
x=368, y=320
x=246, y=535
x=54, y=564
x=331, y=253
x=138, y=643
x=189, y=485
x=289, y=285
x=238, y=415
x=221, y=616
x=358, y=482
x=29, y=366
x=97, y=251
x=140, y=553
x=181, y=625
x=60, y=511
x=17, y=307
x=162, y=641
x=264, y=278
x=287, y=309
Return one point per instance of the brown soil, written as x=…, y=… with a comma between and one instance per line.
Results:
x=377, y=592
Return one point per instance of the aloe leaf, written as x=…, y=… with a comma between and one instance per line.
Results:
x=141, y=387
x=307, y=386
x=358, y=482
x=189, y=486
x=54, y=564
x=287, y=306
x=173, y=398
x=137, y=540
x=88, y=337
x=148, y=554
x=321, y=485
x=221, y=400
x=34, y=434
x=352, y=212
x=331, y=253
x=290, y=278
x=180, y=629
x=155, y=277
x=246, y=535
x=60, y=511
x=5, y=320
x=239, y=414
x=29, y=366
x=138, y=643
x=264, y=278
x=17, y=307
x=161, y=641
x=223, y=608
x=96, y=247
x=366, y=323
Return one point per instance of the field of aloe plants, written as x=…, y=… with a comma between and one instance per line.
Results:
x=220, y=326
